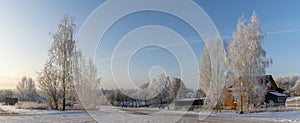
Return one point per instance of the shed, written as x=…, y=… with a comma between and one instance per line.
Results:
x=275, y=97
x=10, y=101
x=191, y=102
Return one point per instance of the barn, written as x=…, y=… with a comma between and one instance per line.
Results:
x=10, y=101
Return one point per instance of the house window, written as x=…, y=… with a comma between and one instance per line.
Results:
x=281, y=99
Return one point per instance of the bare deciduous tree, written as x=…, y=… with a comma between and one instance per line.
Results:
x=5, y=93
x=61, y=55
x=287, y=82
x=26, y=88
x=48, y=82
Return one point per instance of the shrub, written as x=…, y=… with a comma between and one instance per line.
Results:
x=32, y=105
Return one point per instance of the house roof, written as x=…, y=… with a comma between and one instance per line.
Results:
x=266, y=78
x=190, y=99
x=274, y=84
x=277, y=94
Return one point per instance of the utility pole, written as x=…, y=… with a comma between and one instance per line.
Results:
x=241, y=112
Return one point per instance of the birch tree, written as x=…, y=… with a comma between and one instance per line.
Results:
x=48, y=82
x=61, y=54
x=248, y=58
x=205, y=68
x=218, y=72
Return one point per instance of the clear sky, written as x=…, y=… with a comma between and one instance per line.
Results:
x=25, y=28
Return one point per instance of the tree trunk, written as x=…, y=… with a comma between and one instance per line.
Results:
x=64, y=99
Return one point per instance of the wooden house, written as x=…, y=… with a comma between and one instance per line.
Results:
x=241, y=85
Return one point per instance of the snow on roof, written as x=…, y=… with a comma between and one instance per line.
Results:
x=190, y=99
x=277, y=94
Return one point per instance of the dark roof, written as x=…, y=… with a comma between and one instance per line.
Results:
x=269, y=78
x=274, y=84
x=190, y=99
x=277, y=94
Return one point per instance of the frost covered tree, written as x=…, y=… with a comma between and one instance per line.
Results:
x=164, y=94
x=48, y=82
x=60, y=62
x=5, y=93
x=87, y=81
x=248, y=58
x=296, y=88
x=27, y=89
x=287, y=82
x=156, y=91
x=218, y=71
x=162, y=90
x=177, y=89
x=212, y=72
x=205, y=68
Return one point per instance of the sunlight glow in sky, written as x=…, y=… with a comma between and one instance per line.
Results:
x=25, y=28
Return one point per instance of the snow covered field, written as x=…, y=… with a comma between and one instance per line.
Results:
x=288, y=116
x=111, y=114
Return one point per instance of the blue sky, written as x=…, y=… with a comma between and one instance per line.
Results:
x=25, y=28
